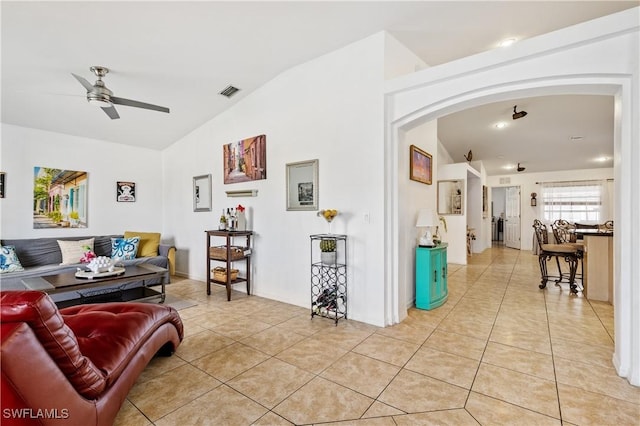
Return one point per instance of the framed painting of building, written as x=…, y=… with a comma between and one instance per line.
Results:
x=59, y=198
x=245, y=160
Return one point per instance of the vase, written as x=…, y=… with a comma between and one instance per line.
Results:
x=328, y=257
x=242, y=222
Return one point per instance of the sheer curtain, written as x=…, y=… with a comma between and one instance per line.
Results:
x=586, y=201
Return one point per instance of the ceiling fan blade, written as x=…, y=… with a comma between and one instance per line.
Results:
x=137, y=104
x=111, y=112
x=84, y=82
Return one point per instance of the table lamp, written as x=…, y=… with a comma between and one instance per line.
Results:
x=426, y=219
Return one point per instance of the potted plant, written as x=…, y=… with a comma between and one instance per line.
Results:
x=328, y=251
x=74, y=217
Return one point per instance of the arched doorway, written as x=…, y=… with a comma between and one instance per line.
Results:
x=576, y=62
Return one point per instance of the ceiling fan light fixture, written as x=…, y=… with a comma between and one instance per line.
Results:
x=99, y=95
x=99, y=101
x=516, y=114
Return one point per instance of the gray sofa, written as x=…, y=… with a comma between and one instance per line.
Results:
x=42, y=256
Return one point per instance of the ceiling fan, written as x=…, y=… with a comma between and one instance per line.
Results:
x=98, y=94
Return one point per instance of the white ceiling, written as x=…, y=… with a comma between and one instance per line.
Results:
x=181, y=54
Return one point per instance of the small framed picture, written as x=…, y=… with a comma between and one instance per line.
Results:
x=420, y=165
x=202, y=193
x=126, y=192
x=2, y=174
x=302, y=185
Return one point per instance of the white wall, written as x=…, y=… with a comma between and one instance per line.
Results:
x=528, y=184
x=398, y=59
x=413, y=196
x=330, y=109
x=21, y=149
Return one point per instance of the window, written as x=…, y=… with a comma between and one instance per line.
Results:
x=583, y=201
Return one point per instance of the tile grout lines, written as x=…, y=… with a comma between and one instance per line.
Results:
x=553, y=358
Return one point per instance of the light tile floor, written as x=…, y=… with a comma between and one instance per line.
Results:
x=499, y=352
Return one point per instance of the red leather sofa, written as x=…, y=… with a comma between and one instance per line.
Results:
x=75, y=366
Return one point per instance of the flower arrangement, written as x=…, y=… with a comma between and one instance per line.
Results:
x=88, y=256
x=240, y=208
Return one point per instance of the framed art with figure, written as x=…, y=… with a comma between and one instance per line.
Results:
x=420, y=165
x=125, y=192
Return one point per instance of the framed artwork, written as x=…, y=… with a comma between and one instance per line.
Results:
x=202, y=193
x=126, y=192
x=420, y=165
x=302, y=185
x=485, y=202
x=59, y=198
x=245, y=160
x=2, y=176
x=450, y=197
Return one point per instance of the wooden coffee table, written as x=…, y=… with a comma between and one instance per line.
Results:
x=106, y=288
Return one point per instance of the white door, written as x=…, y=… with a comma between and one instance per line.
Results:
x=512, y=217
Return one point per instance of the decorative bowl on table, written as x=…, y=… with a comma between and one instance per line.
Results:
x=101, y=264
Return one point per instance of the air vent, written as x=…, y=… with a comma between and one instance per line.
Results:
x=229, y=91
x=505, y=180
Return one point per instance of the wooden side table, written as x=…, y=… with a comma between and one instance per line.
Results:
x=227, y=254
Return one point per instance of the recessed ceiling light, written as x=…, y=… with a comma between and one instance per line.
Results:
x=500, y=157
x=509, y=167
x=576, y=138
x=507, y=42
x=602, y=159
x=501, y=125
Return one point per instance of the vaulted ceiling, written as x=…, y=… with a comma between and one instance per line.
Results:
x=181, y=54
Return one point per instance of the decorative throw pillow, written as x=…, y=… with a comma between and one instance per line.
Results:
x=124, y=248
x=149, y=242
x=9, y=261
x=73, y=251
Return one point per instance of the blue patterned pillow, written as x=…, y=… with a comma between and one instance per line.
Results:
x=9, y=261
x=124, y=248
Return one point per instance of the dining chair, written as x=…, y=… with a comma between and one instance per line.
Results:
x=568, y=252
x=606, y=227
x=565, y=233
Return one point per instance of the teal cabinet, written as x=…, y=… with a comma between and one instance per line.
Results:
x=431, y=276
